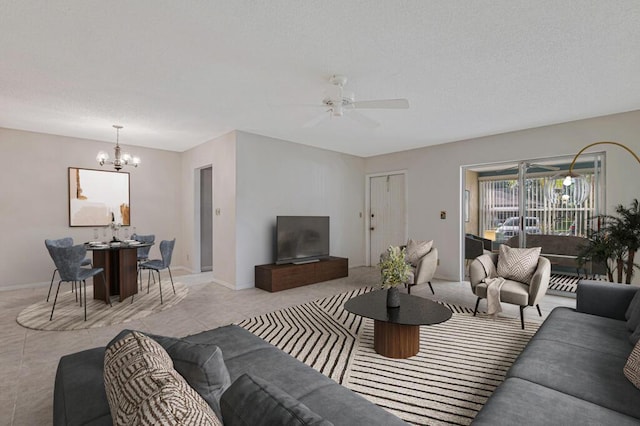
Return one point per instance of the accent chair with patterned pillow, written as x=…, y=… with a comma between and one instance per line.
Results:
x=423, y=258
x=525, y=273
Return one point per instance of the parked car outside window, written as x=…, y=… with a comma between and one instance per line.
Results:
x=511, y=227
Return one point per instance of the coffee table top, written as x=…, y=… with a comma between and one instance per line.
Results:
x=413, y=310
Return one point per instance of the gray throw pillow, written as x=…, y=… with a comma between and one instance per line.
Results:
x=633, y=312
x=253, y=401
x=201, y=365
x=635, y=336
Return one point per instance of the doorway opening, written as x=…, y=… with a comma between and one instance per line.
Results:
x=206, y=219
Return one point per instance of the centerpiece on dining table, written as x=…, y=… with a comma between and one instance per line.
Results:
x=395, y=271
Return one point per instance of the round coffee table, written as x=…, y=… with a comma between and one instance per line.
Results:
x=396, y=331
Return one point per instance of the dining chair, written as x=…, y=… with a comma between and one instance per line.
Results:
x=63, y=242
x=166, y=250
x=143, y=252
x=68, y=261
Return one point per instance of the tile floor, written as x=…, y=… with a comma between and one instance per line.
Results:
x=28, y=358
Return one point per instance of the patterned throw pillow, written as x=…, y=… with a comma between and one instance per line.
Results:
x=143, y=388
x=632, y=367
x=417, y=249
x=518, y=264
x=201, y=364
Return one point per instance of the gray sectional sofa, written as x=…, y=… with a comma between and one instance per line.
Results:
x=80, y=398
x=571, y=372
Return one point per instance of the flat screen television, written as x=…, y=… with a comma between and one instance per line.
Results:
x=301, y=239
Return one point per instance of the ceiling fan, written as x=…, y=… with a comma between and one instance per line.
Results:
x=338, y=101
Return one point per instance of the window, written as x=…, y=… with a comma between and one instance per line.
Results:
x=500, y=213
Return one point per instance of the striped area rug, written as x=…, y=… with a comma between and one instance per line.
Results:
x=561, y=282
x=69, y=315
x=567, y=283
x=460, y=363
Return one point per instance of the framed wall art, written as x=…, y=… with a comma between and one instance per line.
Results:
x=98, y=197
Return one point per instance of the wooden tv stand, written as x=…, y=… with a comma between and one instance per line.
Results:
x=274, y=277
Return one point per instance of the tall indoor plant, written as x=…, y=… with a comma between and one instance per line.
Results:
x=615, y=242
x=395, y=271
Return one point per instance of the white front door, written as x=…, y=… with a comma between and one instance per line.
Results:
x=388, y=216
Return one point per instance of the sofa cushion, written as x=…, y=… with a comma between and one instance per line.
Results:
x=632, y=367
x=585, y=331
x=417, y=250
x=521, y=402
x=201, y=364
x=244, y=352
x=594, y=375
x=518, y=264
x=253, y=401
x=513, y=292
x=143, y=388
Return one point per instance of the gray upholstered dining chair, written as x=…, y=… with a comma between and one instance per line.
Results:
x=63, y=242
x=68, y=261
x=143, y=252
x=166, y=250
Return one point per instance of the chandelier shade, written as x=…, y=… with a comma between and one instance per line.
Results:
x=561, y=194
x=120, y=159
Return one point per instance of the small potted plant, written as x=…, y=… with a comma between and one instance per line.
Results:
x=395, y=271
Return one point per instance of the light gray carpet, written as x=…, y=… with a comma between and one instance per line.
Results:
x=69, y=315
x=460, y=363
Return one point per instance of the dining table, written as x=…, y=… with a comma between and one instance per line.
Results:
x=119, y=259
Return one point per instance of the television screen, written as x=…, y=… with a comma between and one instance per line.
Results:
x=301, y=238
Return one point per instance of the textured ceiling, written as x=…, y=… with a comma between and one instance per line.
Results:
x=176, y=74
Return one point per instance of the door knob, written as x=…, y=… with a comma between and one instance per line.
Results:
x=372, y=228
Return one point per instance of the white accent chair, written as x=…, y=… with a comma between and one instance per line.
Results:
x=424, y=270
x=514, y=292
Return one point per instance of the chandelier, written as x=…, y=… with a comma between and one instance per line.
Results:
x=120, y=159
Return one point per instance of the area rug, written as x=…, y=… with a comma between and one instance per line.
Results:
x=69, y=315
x=460, y=363
x=561, y=282
x=567, y=283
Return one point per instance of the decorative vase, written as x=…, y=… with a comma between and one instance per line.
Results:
x=393, y=297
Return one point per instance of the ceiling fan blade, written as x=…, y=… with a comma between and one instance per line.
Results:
x=317, y=120
x=362, y=119
x=383, y=103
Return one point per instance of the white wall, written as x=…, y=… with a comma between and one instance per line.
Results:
x=34, y=198
x=257, y=178
x=220, y=154
x=434, y=176
x=277, y=177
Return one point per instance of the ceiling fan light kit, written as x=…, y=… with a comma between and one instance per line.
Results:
x=340, y=100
